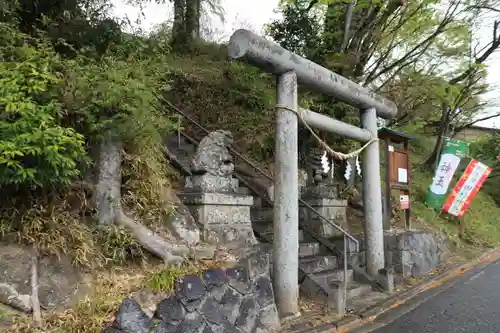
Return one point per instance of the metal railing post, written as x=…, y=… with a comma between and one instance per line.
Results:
x=346, y=239
x=178, y=131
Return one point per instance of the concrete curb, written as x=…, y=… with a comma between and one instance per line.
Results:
x=368, y=316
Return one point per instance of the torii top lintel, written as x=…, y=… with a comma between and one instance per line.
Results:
x=272, y=58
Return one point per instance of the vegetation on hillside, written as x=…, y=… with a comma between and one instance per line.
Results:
x=74, y=85
x=57, y=109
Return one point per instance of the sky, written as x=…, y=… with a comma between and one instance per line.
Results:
x=254, y=14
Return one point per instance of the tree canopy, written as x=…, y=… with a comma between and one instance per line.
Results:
x=427, y=55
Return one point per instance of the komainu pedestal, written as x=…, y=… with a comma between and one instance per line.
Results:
x=211, y=194
x=322, y=194
x=324, y=199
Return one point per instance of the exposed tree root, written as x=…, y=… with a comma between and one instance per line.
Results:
x=107, y=198
x=10, y=296
x=35, y=303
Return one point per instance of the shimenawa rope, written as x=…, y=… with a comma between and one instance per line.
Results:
x=337, y=155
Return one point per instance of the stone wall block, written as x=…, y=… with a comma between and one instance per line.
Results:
x=239, y=299
x=215, y=277
x=131, y=318
x=264, y=291
x=171, y=310
x=269, y=317
x=192, y=323
x=230, y=305
x=256, y=264
x=190, y=290
x=165, y=327
x=239, y=279
x=210, y=309
x=415, y=253
x=249, y=310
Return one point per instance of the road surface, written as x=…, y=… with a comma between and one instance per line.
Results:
x=470, y=305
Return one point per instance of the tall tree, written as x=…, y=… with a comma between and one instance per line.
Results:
x=466, y=85
x=386, y=44
x=187, y=17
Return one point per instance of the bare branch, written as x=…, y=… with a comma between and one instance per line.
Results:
x=472, y=123
x=421, y=47
x=493, y=46
x=497, y=10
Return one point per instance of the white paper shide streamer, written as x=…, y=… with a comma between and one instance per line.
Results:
x=325, y=163
x=358, y=166
x=348, y=171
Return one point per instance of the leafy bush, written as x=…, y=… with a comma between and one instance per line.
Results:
x=35, y=149
x=116, y=99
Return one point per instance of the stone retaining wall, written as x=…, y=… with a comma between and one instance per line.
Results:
x=238, y=299
x=414, y=253
x=410, y=253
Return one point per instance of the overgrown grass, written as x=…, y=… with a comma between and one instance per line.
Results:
x=163, y=280
x=219, y=93
x=61, y=231
x=91, y=313
x=65, y=223
x=109, y=289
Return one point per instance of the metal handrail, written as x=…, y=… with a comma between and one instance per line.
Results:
x=263, y=173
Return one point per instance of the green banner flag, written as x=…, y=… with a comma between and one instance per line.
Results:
x=451, y=154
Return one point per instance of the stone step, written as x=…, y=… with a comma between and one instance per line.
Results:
x=262, y=214
x=339, y=242
x=314, y=264
x=183, y=146
x=243, y=190
x=257, y=202
x=330, y=294
x=355, y=289
x=308, y=249
x=334, y=275
x=268, y=236
x=267, y=230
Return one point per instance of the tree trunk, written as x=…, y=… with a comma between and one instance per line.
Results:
x=107, y=195
x=178, y=29
x=107, y=199
x=197, y=29
x=192, y=20
x=35, y=302
x=444, y=125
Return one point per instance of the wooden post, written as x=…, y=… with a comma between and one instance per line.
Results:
x=461, y=228
x=387, y=201
x=408, y=211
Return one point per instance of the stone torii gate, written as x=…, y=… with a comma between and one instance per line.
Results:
x=290, y=68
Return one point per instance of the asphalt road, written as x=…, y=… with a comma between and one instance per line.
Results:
x=471, y=305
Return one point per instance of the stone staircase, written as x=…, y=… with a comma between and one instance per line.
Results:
x=321, y=272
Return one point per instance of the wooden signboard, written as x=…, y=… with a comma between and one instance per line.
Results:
x=398, y=173
x=398, y=167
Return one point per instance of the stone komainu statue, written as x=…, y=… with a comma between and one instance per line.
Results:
x=212, y=156
x=314, y=166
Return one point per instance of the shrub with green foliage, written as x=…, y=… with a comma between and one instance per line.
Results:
x=35, y=148
x=55, y=110
x=114, y=98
